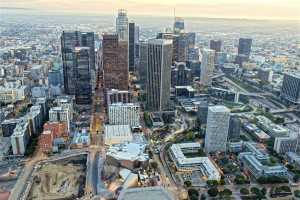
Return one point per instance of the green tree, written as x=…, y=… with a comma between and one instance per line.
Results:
x=226, y=192
x=297, y=193
x=244, y=191
x=213, y=192
x=188, y=183
x=211, y=183
x=154, y=165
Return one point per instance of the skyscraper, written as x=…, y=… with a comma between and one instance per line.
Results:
x=215, y=45
x=70, y=40
x=207, y=67
x=115, y=62
x=143, y=62
x=83, y=86
x=178, y=25
x=131, y=45
x=180, y=48
x=122, y=25
x=217, y=129
x=290, y=90
x=159, y=74
x=245, y=46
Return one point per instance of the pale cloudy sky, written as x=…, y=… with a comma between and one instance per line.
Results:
x=257, y=9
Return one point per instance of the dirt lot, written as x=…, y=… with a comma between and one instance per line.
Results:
x=58, y=181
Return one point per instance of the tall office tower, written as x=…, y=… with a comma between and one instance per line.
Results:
x=122, y=25
x=70, y=40
x=215, y=45
x=124, y=114
x=115, y=62
x=191, y=40
x=217, y=129
x=131, y=46
x=234, y=128
x=178, y=25
x=245, y=46
x=179, y=48
x=159, y=74
x=290, y=90
x=183, y=74
x=207, y=67
x=83, y=85
x=143, y=61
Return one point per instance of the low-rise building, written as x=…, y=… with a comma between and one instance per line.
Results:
x=286, y=144
x=117, y=134
x=257, y=169
x=118, y=96
x=203, y=164
x=145, y=193
x=5, y=145
x=293, y=158
x=130, y=155
x=20, y=138
x=272, y=129
x=60, y=114
x=124, y=114
x=11, y=92
x=46, y=141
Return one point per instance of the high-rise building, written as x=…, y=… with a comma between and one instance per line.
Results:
x=70, y=40
x=290, y=90
x=265, y=75
x=181, y=75
x=159, y=74
x=178, y=25
x=124, y=114
x=215, y=45
x=234, y=127
x=83, y=93
x=143, y=61
x=179, y=48
x=115, y=62
x=207, y=67
x=217, y=129
x=245, y=46
x=131, y=46
x=191, y=40
x=122, y=25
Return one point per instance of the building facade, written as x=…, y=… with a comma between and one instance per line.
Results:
x=122, y=25
x=217, y=129
x=115, y=62
x=290, y=90
x=124, y=114
x=207, y=67
x=159, y=74
x=83, y=85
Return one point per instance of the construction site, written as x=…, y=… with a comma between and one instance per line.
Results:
x=61, y=180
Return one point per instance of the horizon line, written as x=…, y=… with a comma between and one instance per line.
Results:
x=93, y=13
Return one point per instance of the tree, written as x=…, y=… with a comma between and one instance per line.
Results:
x=226, y=192
x=188, y=183
x=296, y=178
x=213, y=191
x=154, y=165
x=263, y=191
x=202, y=197
x=193, y=194
x=255, y=190
x=222, y=182
x=297, y=193
x=211, y=183
x=244, y=191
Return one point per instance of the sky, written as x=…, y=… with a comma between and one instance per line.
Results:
x=249, y=9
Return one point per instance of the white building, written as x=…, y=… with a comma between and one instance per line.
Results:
x=12, y=92
x=185, y=164
x=217, y=129
x=122, y=25
x=60, y=114
x=207, y=67
x=124, y=114
x=274, y=130
x=286, y=144
x=116, y=134
x=19, y=139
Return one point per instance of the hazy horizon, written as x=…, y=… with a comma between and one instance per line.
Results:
x=225, y=9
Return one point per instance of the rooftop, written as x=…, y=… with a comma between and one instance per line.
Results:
x=146, y=193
